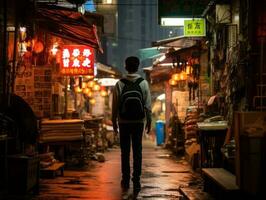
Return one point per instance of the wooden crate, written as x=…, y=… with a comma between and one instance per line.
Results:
x=248, y=151
x=23, y=174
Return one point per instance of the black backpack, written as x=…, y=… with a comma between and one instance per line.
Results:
x=131, y=100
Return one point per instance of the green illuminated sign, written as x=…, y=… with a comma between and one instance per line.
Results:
x=195, y=28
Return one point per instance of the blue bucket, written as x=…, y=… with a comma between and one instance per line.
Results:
x=160, y=132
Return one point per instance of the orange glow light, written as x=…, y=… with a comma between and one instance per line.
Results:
x=103, y=93
x=84, y=85
x=96, y=87
x=92, y=101
x=91, y=84
x=176, y=77
x=188, y=69
x=172, y=82
x=183, y=76
x=77, y=89
x=86, y=90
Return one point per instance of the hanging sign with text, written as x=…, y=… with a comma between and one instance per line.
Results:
x=77, y=60
x=195, y=28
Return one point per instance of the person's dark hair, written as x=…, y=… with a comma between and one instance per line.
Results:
x=132, y=64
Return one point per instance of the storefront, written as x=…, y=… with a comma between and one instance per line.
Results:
x=55, y=87
x=229, y=102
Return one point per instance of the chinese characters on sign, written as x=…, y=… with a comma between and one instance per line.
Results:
x=77, y=60
x=194, y=27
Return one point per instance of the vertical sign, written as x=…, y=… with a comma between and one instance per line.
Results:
x=77, y=60
x=195, y=27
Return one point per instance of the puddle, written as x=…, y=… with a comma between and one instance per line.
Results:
x=152, y=175
x=164, y=156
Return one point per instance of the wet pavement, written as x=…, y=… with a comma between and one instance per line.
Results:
x=163, y=177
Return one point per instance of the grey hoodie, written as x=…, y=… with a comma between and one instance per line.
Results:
x=116, y=99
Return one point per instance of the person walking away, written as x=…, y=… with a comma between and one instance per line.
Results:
x=131, y=112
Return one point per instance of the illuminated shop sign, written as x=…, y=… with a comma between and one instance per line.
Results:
x=77, y=60
x=194, y=27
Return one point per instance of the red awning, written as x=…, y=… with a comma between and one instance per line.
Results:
x=69, y=25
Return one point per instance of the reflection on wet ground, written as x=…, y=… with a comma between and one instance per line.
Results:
x=164, y=177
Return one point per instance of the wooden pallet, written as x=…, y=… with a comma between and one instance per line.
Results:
x=52, y=171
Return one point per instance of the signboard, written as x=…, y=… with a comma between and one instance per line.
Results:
x=194, y=28
x=181, y=8
x=77, y=60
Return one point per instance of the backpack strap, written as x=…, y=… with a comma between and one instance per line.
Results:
x=128, y=82
x=138, y=81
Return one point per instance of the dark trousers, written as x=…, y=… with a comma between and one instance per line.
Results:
x=131, y=133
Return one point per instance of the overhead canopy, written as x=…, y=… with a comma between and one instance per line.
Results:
x=179, y=42
x=150, y=53
x=104, y=71
x=67, y=24
x=162, y=70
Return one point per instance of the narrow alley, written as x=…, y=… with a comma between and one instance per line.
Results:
x=163, y=176
x=80, y=77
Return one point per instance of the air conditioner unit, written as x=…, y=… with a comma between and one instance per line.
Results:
x=223, y=13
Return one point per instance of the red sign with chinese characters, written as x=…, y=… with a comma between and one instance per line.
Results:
x=77, y=60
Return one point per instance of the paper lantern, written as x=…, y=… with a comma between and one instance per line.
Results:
x=96, y=87
x=183, y=76
x=92, y=101
x=86, y=90
x=172, y=82
x=176, y=77
x=83, y=85
x=91, y=84
x=77, y=89
x=103, y=93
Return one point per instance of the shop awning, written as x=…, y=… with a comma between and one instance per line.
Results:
x=68, y=24
x=177, y=42
x=150, y=53
x=162, y=70
x=104, y=71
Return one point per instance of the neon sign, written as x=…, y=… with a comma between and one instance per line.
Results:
x=77, y=60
